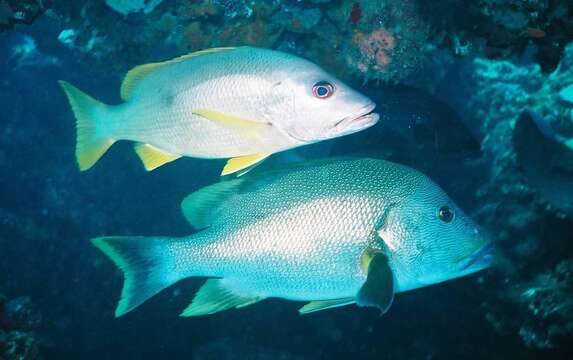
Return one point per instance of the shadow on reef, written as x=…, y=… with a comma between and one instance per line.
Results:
x=426, y=124
x=545, y=159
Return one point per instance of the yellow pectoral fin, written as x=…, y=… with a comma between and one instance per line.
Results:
x=153, y=157
x=242, y=164
x=247, y=127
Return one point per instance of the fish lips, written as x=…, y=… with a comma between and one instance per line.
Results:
x=359, y=121
x=364, y=119
x=481, y=259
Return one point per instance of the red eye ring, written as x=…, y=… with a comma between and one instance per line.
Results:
x=322, y=90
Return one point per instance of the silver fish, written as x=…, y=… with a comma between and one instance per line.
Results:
x=332, y=232
x=242, y=103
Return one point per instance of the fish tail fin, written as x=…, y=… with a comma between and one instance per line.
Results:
x=90, y=144
x=147, y=263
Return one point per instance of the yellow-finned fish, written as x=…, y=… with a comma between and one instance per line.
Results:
x=241, y=103
x=332, y=232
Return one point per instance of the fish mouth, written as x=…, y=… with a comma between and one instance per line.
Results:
x=480, y=259
x=364, y=118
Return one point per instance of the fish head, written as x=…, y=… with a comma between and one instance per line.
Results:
x=310, y=105
x=430, y=239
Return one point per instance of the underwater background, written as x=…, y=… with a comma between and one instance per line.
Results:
x=476, y=94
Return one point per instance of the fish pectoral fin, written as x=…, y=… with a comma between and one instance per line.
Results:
x=153, y=157
x=247, y=127
x=378, y=289
x=324, y=304
x=214, y=296
x=243, y=164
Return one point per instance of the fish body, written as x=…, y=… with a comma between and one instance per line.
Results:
x=220, y=103
x=332, y=232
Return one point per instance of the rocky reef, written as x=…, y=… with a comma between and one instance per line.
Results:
x=540, y=310
x=14, y=12
x=19, y=320
x=380, y=40
x=523, y=118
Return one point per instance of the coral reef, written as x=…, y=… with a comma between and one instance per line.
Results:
x=502, y=28
x=373, y=40
x=540, y=310
x=19, y=12
x=518, y=113
x=497, y=93
x=126, y=7
x=387, y=38
x=18, y=321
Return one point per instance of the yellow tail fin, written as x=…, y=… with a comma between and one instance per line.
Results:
x=90, y=146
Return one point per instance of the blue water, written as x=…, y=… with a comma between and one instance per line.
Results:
x=49, y=210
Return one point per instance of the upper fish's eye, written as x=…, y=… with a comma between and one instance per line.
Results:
x=322, y=89
x=446, y=214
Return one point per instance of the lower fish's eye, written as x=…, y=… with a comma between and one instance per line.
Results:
x=446, y=214
x=322, y=89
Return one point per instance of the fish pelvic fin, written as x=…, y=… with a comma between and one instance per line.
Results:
x=152, y=157
x=90, y=145
x=324, y=304
x=147, y=267
x=217, y=295
x=243, y=164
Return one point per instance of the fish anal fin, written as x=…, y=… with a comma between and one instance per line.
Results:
x=242, y=164
x=378, y=289
x=199, y=206
x=324, y=304
x=139, y=73
x=153, y=157
x=216, y=295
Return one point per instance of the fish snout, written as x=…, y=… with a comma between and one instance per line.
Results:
x=364, y=118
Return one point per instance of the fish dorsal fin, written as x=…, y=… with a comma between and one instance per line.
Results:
x=153, y=157
x=378, y=289
x=199, y=206
x=216, y=295
x=324, y=304
x=138, y=73
x=242, y=164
